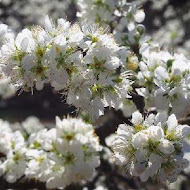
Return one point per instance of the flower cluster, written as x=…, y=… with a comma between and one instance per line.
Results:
x=164, y=79
x=12, y=152
x=63, y=155
x=120, y=16
x=95, y=69
x=84, y=61
x=152, y=147
x=58, y=157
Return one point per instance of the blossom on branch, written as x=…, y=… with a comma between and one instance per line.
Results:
x=152, y=147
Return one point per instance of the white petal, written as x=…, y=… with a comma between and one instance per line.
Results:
x=137, y=118
x=161, y=73
x=172, y=122
x=48, y=24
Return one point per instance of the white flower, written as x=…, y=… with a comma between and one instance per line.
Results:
x=43, y=139
x=37, y=164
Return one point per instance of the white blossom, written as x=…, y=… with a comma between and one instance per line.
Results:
x=163, y=80
x=63, y=155
x=83, y=61
x=151, y=147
